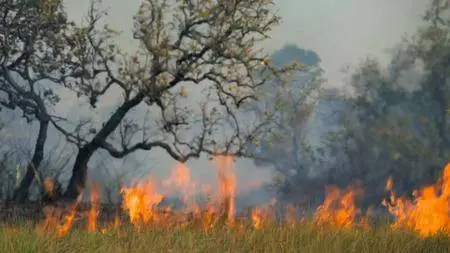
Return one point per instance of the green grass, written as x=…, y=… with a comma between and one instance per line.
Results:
x=302, y=238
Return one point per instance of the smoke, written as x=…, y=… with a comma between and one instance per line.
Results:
x=340, y=32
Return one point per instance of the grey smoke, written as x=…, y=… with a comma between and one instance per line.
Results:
x=340, y=32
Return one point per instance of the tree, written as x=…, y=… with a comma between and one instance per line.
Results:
x=34, y=52
x=432, y=48
x=288, y=147
x=396, y=124
x=371, y=126
x=388, y=129
x=15, y=152
x=208, y=45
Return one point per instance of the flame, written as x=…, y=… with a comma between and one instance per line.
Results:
x=180, y=180
x=258, y=218
x=338, y=208
x=428, y=213
x=69, y=218
x=54, y=214
x=208, y=217
x=95, y=208
x=50, y=223
x=227, y=185
x=389, y=184
x=261, y=216
x=180, y=176
x=140, y=202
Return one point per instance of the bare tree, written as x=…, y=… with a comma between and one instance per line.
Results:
x=208, y=48
x=34, y=58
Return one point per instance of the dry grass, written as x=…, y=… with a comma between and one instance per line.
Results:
x=301, y=238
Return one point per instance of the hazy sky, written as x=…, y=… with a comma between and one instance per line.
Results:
x=340, y=31
x=343, y=31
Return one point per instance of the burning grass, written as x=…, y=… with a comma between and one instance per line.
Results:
x=147, y=224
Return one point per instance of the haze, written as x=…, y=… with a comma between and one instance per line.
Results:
x=341, y=32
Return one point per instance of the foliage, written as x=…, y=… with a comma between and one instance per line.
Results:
x=290, y=107
x=396, y=128
x=37, y=49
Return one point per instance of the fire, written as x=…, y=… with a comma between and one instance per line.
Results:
x=51, y=219
x=69, y=220
x=428, y=213
x=227, y=185
x=141, y=201
x=261, y=216
x=95, y=208
x=389, y=184
x=258, y=218
x=180, y=182
x=54, y=215
x=180, y=176
x=338, y=208
x=208, y=218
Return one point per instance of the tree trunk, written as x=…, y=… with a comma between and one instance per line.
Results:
x=21, y=193
x=77, y=182
x=79, y=172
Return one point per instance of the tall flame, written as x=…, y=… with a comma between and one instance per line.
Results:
x=140, y=202
x=227, y=185
x=338, y=208
x=428, y=213
x=69, y=218
x=95, y=208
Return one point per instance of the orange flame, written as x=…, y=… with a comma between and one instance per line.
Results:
x=428, y=213
x=69, y=219
x=262, y=215
x=227, y=185
x=181, y=180
x=338, y=208
x=140, y=202
x=95, y=208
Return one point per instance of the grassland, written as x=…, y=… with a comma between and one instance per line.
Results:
x=301, y=238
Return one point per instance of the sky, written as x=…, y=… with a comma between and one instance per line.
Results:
x=340, y=31
x=344, y=31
